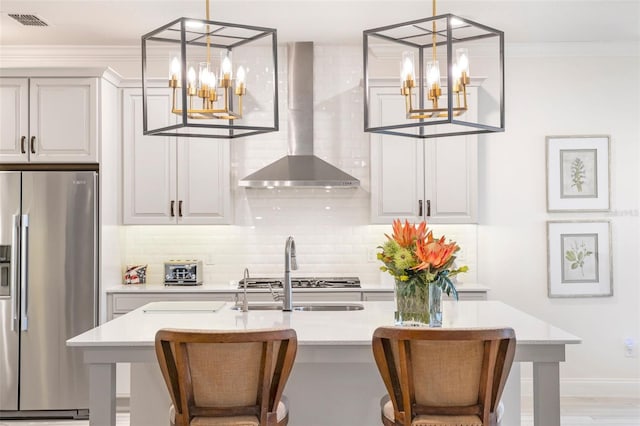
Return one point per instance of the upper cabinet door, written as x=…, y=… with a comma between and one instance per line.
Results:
x=14, y=120
x=451, y=186
x=149, y=162
x=397, y=170
x=203, y=181
x=451, y=175
x=63, y=120
x=416, y=179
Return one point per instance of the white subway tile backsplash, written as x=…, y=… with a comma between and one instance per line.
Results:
x=331, y=227
x=322, y=250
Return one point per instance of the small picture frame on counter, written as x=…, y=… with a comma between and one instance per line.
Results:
x=135, y=274
x=577, y=173
x=579, y=259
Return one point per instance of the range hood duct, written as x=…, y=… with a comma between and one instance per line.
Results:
x=300, y=168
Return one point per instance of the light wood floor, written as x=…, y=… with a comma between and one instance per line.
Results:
x=575, y=412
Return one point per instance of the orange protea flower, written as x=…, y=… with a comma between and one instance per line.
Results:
x=433, y=253
x=405, y=235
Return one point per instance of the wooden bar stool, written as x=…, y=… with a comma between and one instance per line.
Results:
x=226, y=378
x=443, y=377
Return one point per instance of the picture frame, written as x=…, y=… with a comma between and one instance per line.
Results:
x=579, y=259
x=578, y=173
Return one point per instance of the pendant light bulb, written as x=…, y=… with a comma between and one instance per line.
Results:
x=407, y=72
x=433, y=74
x=191, y=76
x=462, y=59
x=175, y=69
x=225, y=68
x=240, y=75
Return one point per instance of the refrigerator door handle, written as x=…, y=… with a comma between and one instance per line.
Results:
x=24, y=273
x=15, y=277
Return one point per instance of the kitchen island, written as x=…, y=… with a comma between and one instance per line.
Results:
x=334, y=380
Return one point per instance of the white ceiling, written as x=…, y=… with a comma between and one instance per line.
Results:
x=122, y=22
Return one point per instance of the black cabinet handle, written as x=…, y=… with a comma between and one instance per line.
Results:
x=428, y=208
x=180, y=208
x=173, y=212
x=419, y=207
x=22, y=141
x=33, y=144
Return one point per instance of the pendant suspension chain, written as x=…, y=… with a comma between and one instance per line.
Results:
x=433, y=32
x=209, y=32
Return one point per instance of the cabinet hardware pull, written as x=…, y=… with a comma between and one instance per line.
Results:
x=33, y=144
x=173, y=212
x=180, y=208
x=428, y=208
x=22, y=141
x=419, y=207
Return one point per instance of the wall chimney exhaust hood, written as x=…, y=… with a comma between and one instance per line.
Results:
x=300, y=168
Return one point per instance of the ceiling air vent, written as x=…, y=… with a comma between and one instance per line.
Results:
x=28, y=20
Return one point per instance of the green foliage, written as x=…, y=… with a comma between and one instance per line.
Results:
x=577, y=255
x=402, y=262
x=577, y=174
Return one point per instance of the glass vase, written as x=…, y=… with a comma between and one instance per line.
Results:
x=412, y=302
x=435, y=306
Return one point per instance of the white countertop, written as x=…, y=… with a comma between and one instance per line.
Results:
x=138, y=327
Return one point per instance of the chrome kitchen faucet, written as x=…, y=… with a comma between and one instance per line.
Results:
x=289, y=264
x=245, y=302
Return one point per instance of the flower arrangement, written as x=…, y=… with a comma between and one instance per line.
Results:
x=413, y=256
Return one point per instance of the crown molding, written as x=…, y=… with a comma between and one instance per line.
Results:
x=595, y=48
x=67, y=55
x=106, y=73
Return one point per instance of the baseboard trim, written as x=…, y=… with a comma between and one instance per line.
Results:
x=600, y=388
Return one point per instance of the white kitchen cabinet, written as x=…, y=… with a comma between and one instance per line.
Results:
x=421, y=179
x=169, y=180
x=49, y=120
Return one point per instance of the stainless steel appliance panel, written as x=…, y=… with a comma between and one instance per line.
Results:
x=9, y=300
x=59, y=223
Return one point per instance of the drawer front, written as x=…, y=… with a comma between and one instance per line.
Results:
x=325, y=296
x=472, y=295
x=377, y=296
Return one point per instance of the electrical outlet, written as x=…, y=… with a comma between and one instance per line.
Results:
x=372, y=255
x=630, y=348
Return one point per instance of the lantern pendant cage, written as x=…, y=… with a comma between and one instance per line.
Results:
x=432, y=109
x=205, y=98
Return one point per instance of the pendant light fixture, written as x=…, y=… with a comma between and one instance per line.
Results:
x=211, y=90
x=431, y=104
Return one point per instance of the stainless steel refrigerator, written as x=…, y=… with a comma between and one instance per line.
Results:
x=48, y=290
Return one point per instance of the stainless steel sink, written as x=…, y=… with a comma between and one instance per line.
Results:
x=336, y=307
x=302, y=307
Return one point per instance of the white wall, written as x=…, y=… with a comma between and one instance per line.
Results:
x=566, y=95
x=551, y=90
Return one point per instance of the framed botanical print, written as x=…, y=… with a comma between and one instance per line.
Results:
x=577, y=173
x=579, y=259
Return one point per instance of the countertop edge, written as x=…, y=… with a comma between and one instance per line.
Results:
x=214, y=288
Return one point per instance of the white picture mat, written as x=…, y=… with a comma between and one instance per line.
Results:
x=556, y=144
x=600, y=287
